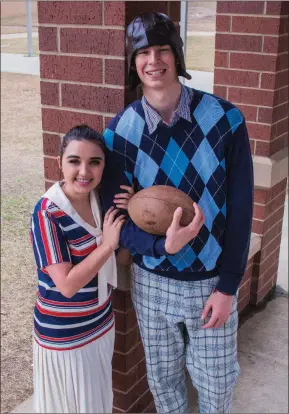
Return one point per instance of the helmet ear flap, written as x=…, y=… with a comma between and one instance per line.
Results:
x=132, y=62
x=177, y=60
x=153, y=29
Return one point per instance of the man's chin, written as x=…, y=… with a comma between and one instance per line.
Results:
x=155, y=84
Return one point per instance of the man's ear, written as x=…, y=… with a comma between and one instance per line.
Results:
x=59, y=162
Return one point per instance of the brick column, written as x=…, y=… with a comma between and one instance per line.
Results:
x=83, y=80
x=251, y=70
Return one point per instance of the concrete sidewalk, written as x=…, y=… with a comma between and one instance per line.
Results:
x=282, y=279
x=263, y=357
x=17, y=35
x=16, y=63
x=201, y=80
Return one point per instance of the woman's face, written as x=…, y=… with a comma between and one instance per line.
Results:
x=82, y=166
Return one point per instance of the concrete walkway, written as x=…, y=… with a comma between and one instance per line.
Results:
x=263, y=358
x=206, y=34
x=282, y=279
x=201, y=80
x=17, y=35
x=17, y=63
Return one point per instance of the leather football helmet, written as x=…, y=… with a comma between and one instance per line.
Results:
x=153, y=29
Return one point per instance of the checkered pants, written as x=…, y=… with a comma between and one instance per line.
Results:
x=168, y=313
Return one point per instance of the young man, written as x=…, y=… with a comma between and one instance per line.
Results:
x=184, y=285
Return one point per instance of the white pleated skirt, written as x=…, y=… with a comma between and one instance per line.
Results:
x=74, y=381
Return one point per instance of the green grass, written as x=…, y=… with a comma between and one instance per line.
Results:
x=16, y=211
x=22, y=184
x=200, y=53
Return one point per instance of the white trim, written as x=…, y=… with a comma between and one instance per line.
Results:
x=183, y=30
x=81, y=111
x=70, y=326
x=269, y=171
x=68, y=82
x=89, y=55
x=82, y=26
x=255, y=245
x=82, y=290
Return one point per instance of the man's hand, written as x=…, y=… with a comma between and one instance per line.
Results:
x=121, y=200
x=220, y=306
x=178, y=236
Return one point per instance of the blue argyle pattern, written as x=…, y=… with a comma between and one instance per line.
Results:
x=189, y=156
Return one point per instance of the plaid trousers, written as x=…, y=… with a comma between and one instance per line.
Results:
x=168, y=313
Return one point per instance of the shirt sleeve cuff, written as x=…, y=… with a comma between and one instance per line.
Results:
x=229, y=282
x=159, y=247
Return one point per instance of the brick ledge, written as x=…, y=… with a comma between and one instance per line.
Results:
x=255, y=245
x=269, y=171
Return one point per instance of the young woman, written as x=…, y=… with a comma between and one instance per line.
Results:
x=74, y=254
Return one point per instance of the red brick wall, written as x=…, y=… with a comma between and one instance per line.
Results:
x=245, y=287
x=83, y=80
x=251, y=70
x=267, y=222
x=131, y=392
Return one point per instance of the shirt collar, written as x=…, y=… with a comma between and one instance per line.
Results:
x=153, y=118
x=58, y=197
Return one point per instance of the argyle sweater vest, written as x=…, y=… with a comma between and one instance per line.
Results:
x=210, y=160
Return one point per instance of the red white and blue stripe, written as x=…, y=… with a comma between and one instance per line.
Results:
x=61, y=323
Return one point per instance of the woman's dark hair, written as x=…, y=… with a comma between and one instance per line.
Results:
x=81, y=133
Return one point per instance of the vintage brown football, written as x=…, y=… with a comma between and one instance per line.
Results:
x=152, y=208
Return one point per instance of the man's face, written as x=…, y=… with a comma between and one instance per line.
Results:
x=156, y=66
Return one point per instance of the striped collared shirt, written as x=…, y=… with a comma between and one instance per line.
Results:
x=62, y=323
x=153, y=118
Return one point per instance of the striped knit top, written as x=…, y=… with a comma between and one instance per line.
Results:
x=62, y=323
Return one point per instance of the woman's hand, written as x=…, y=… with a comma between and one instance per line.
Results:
x=121, y=199
x=177, y=235
x=112, y=227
